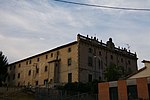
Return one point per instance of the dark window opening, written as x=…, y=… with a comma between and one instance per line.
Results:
x=29, y=73
x=46, y=56
x=30, y=62
x=36, y=83
x=51, y=54
x=69, y=77
x=121, y=60
x=111, y=56
x=57, y=53
x=13, y=76
x=19, y=65
x=37, y=70
x=113, y=91
x=99, y=64
x=129, y=62
x=46, y=82
x=90, y=50
x=38, y=59
x=69, y=61
x=46, y=68
x=90, y=78
x=18, y=75
x=14, y=66
x=132, y=92
x=90, y=61
x=69, y=49
x=100, y=53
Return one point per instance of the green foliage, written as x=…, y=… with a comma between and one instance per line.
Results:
x=3, y=68
x=90, y=87
x=113, y=72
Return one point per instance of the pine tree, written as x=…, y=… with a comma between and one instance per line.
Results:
x=3, y=68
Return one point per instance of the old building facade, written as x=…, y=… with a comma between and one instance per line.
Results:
x=80, y=61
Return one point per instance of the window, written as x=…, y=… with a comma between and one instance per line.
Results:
x=99, y=63
x=19, y=65
x=13, y=76
x=30, y=62
x=111, y=56
x=29, y=73
x=18, y=75
x=129, y=62
x=90, y=50
x=46, y=56
x=57, y=53
x=69, y=49
x=69, y=61
x=45, y=68
x=38, y=59
x=132, y=92
x=122, y=60
x=69, y=77
x=36, y=83
x=100, y=53
x=90, y=78
x=18, y=83
x=113, y=91
x=90, y=61
x=45, y=81
x=10, y=68
x=51, y=54
x=14, y=66
x=37, y=70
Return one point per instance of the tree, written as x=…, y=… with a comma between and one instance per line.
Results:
x=113, y=72
x=3, y=68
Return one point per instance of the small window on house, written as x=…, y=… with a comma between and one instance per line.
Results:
x=90, y=61
x=38, y=59
x=129, y=62
x=90, y=50
x=10, y=68
x=122, y=60
x=99, y=63
x=51, y=54
x=18, y=75
x=69, y=77
x=69, y=49
x=13, y=76
x=46, y=56
x=18, y=83
x=111, y=56
x=36, y=83
x=30, y=62
x=45, y=68
x=90, y=78
x=37, y=70
x=69, y=61
x=14, y=66
x=45, y=81
x=100, y=53
x=57, y=53
x=19, y=65
x=29, y=73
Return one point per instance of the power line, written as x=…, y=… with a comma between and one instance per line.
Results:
x=100, y=6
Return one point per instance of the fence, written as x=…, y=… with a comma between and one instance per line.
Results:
x=52, y=94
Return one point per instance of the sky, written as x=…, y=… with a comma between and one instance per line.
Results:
x=30, y=27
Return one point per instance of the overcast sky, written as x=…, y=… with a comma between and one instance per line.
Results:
x=29, y=27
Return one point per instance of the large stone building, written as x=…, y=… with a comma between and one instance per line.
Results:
x=80, y=61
